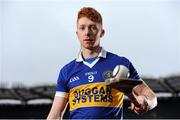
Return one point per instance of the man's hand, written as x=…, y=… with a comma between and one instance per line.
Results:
x=139, y=93
x=142, y=105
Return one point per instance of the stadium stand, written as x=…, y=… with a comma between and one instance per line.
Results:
x=156, y=85
x=167, y=106
x=7, y=94
x=174, y=83
x=44, y=91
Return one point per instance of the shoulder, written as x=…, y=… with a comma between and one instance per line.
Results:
x=67, y=67
x=120, y=58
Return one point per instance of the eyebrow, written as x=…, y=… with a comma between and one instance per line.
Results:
x=87, y=25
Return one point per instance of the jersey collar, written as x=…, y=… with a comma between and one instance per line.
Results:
x=101, y=54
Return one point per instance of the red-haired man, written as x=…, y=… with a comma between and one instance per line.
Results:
x=81, y=82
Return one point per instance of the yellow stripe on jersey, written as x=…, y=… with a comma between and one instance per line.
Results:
x=94, y=95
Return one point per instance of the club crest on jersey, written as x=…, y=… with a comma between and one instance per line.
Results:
x=107, y=74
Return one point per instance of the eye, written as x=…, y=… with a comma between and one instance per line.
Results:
x=93, y=27
x=81, y=27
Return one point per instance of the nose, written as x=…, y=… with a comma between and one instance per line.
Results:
x=87, y=31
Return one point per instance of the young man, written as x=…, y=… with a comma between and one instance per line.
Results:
x=82, y=81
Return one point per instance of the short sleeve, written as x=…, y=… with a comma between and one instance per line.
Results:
x=133, y=72
x=61, y=86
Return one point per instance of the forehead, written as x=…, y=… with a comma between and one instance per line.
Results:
x=86, y=21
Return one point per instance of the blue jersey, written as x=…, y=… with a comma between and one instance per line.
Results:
x=83, y=84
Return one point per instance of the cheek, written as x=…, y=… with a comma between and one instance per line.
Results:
x=98, y=35
x=78, y=35
x=80, y=38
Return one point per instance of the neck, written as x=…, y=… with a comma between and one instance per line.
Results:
x=87, y=53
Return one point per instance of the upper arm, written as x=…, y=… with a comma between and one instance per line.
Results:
x=61, y=95
x=57, y=108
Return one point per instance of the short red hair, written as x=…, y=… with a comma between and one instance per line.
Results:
x=91, y=14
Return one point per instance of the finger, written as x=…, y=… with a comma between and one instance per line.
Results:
x=137, y=112
x=132, y=106
x=140, y=110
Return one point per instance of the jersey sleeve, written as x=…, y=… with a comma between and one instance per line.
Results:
x=61, y=86
x=132, y=72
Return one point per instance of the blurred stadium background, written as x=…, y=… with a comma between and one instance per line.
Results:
x=21, y=102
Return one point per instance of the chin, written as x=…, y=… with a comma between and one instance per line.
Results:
x=91, y=47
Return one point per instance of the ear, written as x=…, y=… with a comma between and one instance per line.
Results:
x=102, y=33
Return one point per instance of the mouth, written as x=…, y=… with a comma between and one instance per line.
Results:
x=88, y=40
